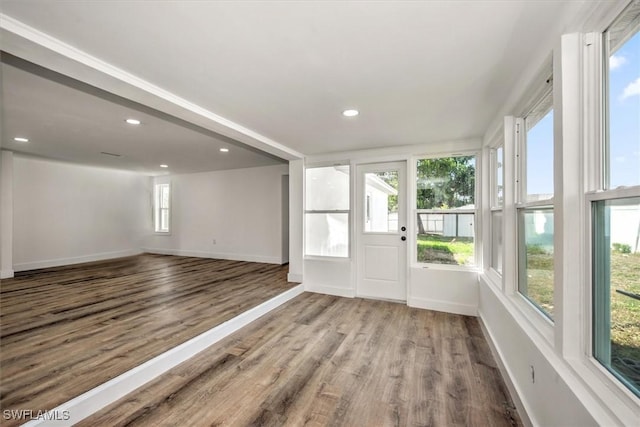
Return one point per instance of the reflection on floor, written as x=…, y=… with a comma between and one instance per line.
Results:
x=66, y=330
x=323, y=360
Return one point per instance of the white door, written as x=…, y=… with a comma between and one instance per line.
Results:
x=381, y=231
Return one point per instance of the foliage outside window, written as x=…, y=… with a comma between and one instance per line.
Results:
x=616, y=209
x=161, y=202
x=535, y=207
x=445, y=210
x=327, y=211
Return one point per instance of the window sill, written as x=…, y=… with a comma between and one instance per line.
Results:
x=606, y=389
x=326, y=258
x=449, y=267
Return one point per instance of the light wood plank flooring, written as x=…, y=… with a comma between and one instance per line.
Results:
x=64, y=331
x=327, y=361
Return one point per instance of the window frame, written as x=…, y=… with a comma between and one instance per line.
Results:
x=414, y=263
x=598, y=189
x=522, y=204
x=157, y=208
x=328, y=211
x=496, y=204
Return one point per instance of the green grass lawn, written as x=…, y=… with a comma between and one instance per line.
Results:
x=625, y=275
x=625, y=315
x=625, y=311
x=437, y=249
x=540, y=277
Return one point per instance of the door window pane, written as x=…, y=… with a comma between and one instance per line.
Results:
x=381, y=202
x=535, y=266
x=617, y=288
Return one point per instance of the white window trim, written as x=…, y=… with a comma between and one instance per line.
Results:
x=305, y=211
x=412, y=199
x=605, y=387
x=156, y=209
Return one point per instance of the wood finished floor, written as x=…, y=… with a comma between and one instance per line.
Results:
x=66, y=330
x=326, y=361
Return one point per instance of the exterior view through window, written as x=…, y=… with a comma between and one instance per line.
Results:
x=161, y=208
x=616, y=210
x=535, y=207
x=445, y=210
x=327, y=211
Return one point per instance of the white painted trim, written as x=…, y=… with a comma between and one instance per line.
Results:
x=595, y=398
x=215, y=255
x=331, y=290
x=6, y=274
x=444, y=306
x=523, y=411
x=95, y=399
x=19, y=35
x=398, y=153
x=75, y=260
x=295, y=278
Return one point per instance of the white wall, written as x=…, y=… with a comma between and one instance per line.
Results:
x=546, y=398
x=440, y=288
x=65, y=213
x=240, y=209
x=444, y=289
x=296, y=213
x=6, y=215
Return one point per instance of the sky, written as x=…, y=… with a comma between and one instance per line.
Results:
x=624, y=104
x=624, y=136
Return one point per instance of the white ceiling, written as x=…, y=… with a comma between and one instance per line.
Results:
x=68, y=121
x=419, y=72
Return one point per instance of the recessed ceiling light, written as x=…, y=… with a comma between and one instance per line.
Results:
x=350, y=113
x=224, y=150
x=21, y=139
x=133, y=121
x=164, y=166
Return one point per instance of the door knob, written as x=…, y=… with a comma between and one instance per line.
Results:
x=403, y=238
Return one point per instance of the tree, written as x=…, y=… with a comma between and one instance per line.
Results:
x=446, y=183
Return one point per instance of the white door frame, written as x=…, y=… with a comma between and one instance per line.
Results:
x=373, y=288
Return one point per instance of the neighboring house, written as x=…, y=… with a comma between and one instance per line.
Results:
x=377, y=214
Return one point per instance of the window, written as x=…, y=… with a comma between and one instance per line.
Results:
x=497, y=201
x=381, y=210
x=616, y=274
x=535, y=207
x=615, y=211
x=161, y=203
x=445, y=210
x=327, y=211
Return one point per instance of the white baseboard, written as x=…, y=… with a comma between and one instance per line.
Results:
x=6, y=274
x=506, y=374
x=444, y=306
x=330, y=290
x=215, y=255
x=294, y=278
x=94, y=400
x=75, y=260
